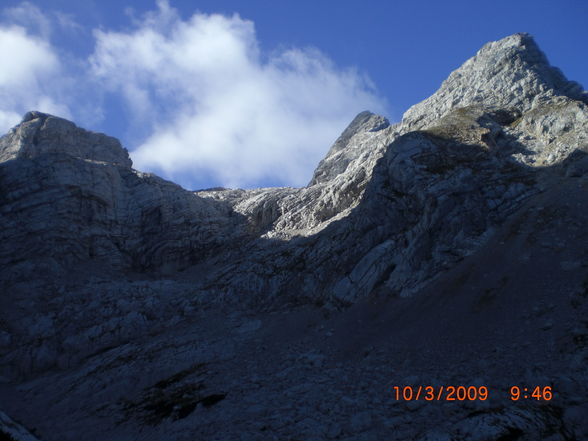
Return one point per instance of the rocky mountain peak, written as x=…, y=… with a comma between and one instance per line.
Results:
x=130, y=307
x=364, y=122
x=340, y=155
x=512, y=72
x=40, y=133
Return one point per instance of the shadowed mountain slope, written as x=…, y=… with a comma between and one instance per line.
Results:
x=447, y=249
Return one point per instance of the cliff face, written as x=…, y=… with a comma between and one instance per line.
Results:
x=95, y=256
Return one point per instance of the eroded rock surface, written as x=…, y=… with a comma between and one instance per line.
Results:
x=447, y=249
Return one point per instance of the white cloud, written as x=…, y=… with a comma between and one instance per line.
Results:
x=207, y=106
x=219, y=108
x=29, y=16
x=29, y=79
x=36, y=75
x=67, y=22
x=42, y=23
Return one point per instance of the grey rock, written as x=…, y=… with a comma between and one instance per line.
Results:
x=41, y=134
x=17, y=432
x=361, y=421
x=5, y=339
x=344, y=150
x=575, y=419
x=129, y=304
x=509, y=73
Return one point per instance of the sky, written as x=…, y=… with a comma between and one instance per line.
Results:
x=251, y=93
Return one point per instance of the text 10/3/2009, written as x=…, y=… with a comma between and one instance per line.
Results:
x=468, y=393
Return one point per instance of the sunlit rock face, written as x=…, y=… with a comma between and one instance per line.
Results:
x=130, y=305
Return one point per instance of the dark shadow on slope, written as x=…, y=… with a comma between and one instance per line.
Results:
x=467, y=321
x=431, y=201
x=121, y=221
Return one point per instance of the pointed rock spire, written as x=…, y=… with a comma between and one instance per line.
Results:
x=336, y=160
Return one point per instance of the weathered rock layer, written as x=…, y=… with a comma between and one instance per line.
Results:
x=95, y=255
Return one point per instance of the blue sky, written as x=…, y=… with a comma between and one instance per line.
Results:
x=251, y=93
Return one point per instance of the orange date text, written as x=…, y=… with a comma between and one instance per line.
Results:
x=440, y=393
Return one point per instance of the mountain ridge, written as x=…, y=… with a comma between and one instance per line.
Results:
x=100, y=262
x=511, y=72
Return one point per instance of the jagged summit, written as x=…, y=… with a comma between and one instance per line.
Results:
x=40, y=133
x=364, y=122
x=510, y=76
x=339, y=156
x=511, y=72
x=132, y=308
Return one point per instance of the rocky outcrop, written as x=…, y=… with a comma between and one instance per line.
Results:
x=39, y=134
x=101, y=264
x=344, y=151
x=70, y=197
x=509, y=73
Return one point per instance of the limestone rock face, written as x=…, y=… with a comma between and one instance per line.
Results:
x=130, y=304
x=39, y=134
x=70, y=197
x=344, y=151
x=512, y=72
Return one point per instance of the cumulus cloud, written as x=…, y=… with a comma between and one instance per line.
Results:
x=205, y=105
x=29, y=78
x=38, y=75
x=219, y=110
